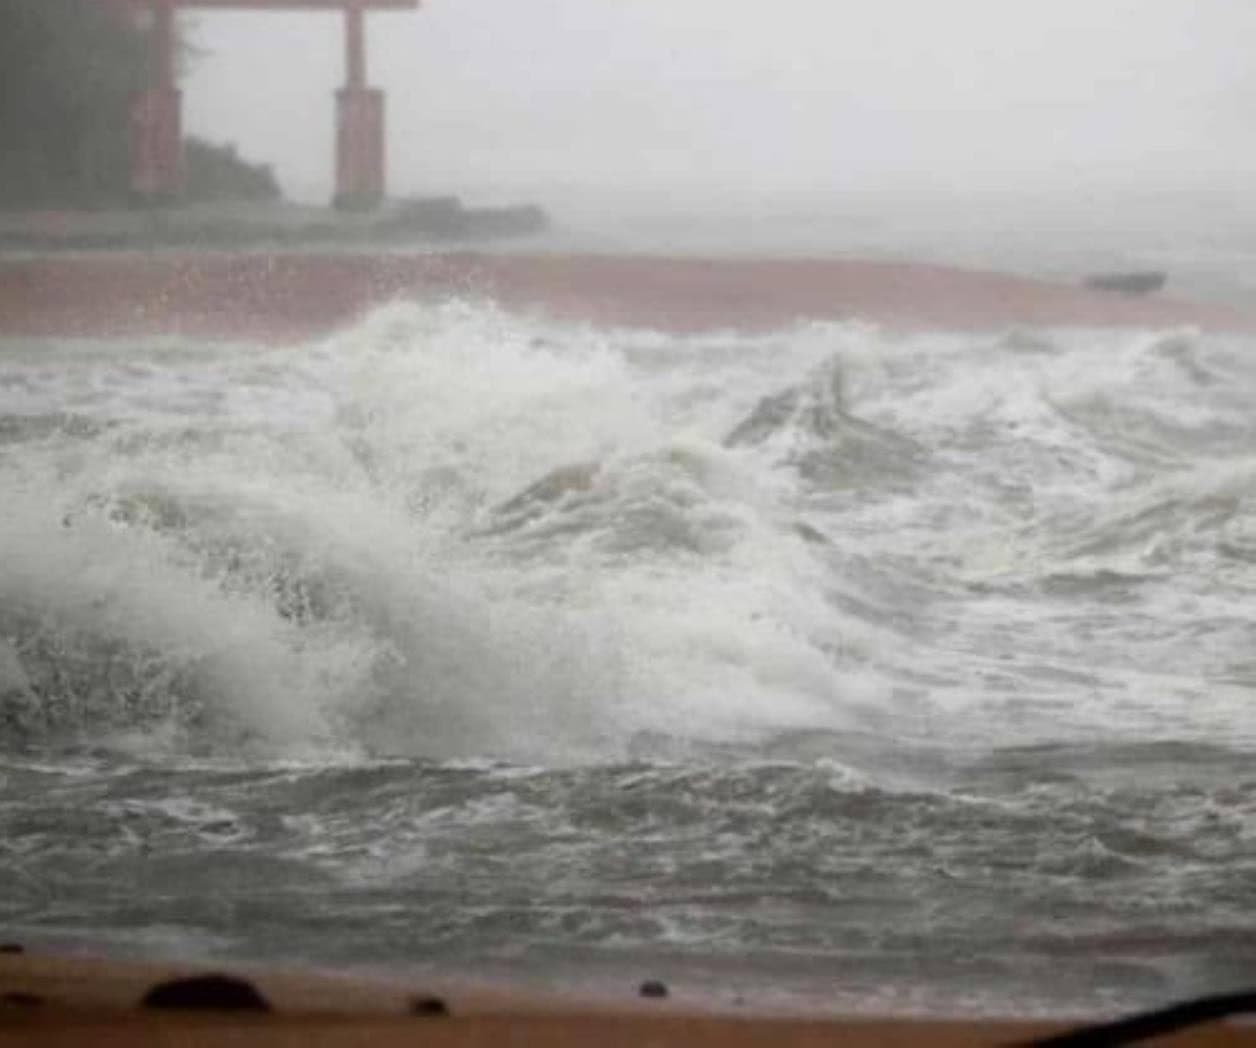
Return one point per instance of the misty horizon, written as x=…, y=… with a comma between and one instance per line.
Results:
x=804, y=103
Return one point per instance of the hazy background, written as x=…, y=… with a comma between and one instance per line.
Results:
x=803, y=96
x=1051, y=137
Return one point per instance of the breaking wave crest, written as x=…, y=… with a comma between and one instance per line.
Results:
x=453, y=531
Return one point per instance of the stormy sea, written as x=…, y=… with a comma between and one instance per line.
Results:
x=882, y=672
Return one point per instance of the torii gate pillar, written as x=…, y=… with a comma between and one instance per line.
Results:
x=359, y=124
x=156, y=134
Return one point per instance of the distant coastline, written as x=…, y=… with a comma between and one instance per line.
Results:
x=265, y=224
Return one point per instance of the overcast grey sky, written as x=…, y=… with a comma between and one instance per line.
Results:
x=803, y=98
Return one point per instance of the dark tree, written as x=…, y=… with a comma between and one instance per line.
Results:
x=68, y=69
x=68, y=72
x=216, y=172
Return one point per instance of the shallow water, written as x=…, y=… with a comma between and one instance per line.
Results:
x=897, y=672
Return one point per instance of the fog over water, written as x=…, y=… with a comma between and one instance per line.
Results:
x=712, y=103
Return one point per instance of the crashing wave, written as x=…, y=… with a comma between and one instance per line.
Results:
x=808, y=427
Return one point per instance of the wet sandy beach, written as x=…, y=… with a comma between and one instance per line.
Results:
x=288, y=297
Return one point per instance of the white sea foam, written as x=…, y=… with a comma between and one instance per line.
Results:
x=456, y=531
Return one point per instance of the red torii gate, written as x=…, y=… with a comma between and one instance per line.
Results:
x=156, y=125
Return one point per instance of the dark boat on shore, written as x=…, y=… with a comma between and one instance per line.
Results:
x=1141, y=282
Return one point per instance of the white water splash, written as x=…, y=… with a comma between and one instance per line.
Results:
x=455, y=531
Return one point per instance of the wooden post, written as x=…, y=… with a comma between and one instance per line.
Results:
x=164, y=43
x=359, y=124
x=355, y=46
x=156, y=121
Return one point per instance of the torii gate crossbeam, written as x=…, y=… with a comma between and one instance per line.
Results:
x=157, y=140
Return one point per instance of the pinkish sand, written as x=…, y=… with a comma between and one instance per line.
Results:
x=76, y=1001
x=288, y=297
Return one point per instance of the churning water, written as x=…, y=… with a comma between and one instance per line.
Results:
x=899, y=672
